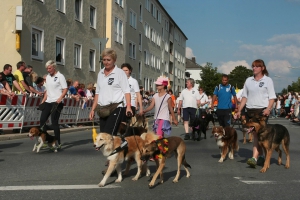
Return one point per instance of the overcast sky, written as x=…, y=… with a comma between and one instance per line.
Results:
x=229, y=33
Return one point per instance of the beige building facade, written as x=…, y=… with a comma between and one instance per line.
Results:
x=60, y=30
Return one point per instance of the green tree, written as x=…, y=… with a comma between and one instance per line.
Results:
x=210, y=78
x=238, y=76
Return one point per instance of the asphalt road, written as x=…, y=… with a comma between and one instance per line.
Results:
x=75, y=171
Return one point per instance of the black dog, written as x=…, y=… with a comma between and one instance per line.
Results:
x=199, y=125
x=209, y=118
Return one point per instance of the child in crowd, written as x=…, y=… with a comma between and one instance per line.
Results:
x=163, y=106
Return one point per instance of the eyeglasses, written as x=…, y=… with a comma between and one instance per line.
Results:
x=255, y=66
x=158, y=85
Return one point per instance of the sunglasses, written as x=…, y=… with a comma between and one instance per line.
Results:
x=255, y=66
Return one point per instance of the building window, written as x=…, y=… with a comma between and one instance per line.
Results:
x=92, y=59
x=158, y=16
x=132, y=50
x=118, y=31
x=60, y=50
x=93, y=17
x=147, y=5
x=140, y=41
x=132, y=19
x=60, y=5
x=120, y=2
x=78, y=10
x=141, y=13
x=37, y=44
x=147, y=30
x=77, y=56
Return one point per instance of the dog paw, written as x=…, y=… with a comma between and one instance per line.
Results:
x=263, y=170
x=101, y=184
x=134, y=179
x=151, y=185
x=118, y=181
x=287, y=166
x=175, y=181
x=221, y=160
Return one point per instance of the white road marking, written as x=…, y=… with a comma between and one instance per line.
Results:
x=259, y=182
x=55, y=187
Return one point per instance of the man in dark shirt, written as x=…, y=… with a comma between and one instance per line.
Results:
x=27, y=78
x=9, y=79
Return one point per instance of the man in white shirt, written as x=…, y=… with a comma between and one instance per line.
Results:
x=189, y=100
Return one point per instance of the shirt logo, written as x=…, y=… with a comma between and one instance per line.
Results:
x=110, y=81
x=261, y=84
x=227, y=89
x=55, y=78
x=129, y=85
x=193, y=92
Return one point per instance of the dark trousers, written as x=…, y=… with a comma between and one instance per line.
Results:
x=54, y=110
x=111, y=123
x=224, y=117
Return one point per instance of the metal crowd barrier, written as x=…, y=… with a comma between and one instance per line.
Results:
x=22, y=111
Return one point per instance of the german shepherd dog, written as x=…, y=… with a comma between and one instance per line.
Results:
x=161, y=149
x=269, y=138
x=138, y=126
x=108, y=143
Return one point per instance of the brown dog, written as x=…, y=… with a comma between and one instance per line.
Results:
x=42, y=138
x=244, y=132
x=107, y=143
x=226, y=139
x=162, y=149
x=269, y=138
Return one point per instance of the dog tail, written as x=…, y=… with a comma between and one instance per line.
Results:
x=185, y=163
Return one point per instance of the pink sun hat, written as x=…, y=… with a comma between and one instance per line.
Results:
x=161, y=81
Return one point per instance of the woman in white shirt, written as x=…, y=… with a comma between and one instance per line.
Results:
x=53, y=98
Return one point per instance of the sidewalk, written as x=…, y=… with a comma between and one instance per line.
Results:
x=10, y=135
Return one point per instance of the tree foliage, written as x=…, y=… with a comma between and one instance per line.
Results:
x=295, y=87
x=210, y=78
x=238, y=76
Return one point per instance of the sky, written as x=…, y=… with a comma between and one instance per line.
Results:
x=228, y=33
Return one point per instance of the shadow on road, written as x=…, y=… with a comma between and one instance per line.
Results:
x=11, y=145
x=67, y=145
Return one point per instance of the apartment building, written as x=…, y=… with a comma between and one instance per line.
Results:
x=36, y=31
x=145, y=36
x=141, y=31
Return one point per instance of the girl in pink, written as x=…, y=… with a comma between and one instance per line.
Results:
x=163, y=108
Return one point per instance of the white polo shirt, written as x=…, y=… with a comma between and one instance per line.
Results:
x=134, y=87
x=111, y=88
x=258, y=93
x=55, y=85
x=189, y=98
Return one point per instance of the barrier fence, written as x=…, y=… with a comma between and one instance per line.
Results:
x=22, y=111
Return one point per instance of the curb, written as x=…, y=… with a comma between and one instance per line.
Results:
x=14, y=136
